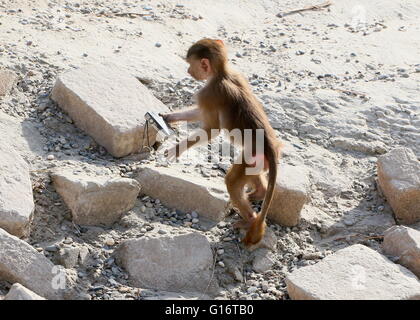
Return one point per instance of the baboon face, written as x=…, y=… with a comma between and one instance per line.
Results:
x=199, y=69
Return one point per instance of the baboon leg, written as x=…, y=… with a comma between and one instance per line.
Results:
x=235, y=183
x=259, y=183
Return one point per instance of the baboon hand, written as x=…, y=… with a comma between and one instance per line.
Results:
x=168, y=117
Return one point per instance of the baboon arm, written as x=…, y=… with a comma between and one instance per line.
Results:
x=191, y=114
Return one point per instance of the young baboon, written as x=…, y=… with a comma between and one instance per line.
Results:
x=227, y=102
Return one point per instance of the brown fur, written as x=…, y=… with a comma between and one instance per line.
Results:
x=227, y=102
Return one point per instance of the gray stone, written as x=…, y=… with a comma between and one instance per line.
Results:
x=178, y=263
x=263, y=261
x=403, y=243
x=96, y=200
x=109, y=105
x=399, y=179
x=354, y=273
x=19, y=292
x=290, y=195
x=16, y=198
x=22, y=136
x=69, y=257
x=84, y=255
x=7, y=81
x=185, y=192
x=20, y=262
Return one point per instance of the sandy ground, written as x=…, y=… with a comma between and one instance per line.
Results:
x=340, y=85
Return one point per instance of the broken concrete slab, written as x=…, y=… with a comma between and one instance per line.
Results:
x=109, y=105
x=20, y=262
x=177, y=263
x=290, y=196
x=22, y=136
x=403, y=244
x=399, y=179
x=16, y=197
x=185, y=192
x=19, y=292
x=95, y=200
x=354, y=273
x=7, y=80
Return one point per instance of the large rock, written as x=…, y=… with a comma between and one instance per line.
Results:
x=399, y=179
x=96, y=200
x=354, y=273
x=290, y=195
x=108, y=104
x=20, y=262
x=19, y=292
x=7, y=80
x=179, y=263
x=185, y=192
x=16, y=198
x=22, y=136
x=403, y=243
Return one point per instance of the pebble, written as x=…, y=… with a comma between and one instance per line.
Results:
x=124, y=289
x=252, y=290
x=220, y=263
x=68, y=240
x=116, y=271
x=109, y=261
x=110, y=242
x=220, y=251
x=53, y=248
x=50, y=157
x=221, y=225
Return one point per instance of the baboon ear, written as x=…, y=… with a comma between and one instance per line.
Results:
x=220, y=42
